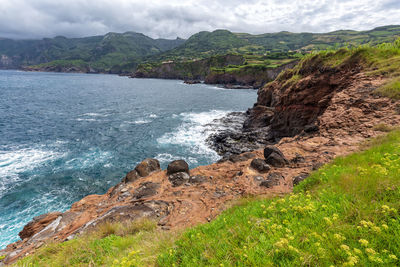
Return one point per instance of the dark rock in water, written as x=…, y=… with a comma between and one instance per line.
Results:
x=192, y=81
x=146, y=189
x=198, y=179
x=274, y=156
x=299, y=178
x=179, y=178
x=238, y=86
x=231, y=138
x=260, y=165
x=177, y=166
x=131, y=177
x=147, y=166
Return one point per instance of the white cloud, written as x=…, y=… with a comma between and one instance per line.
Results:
x=168, y=19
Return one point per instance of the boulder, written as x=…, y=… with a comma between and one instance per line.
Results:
x=260, y=165
x=147, y=166
x=177, y=166
x=131, y=177
x=273, y=156
x=276, y=160
x=179, y=178
x=268, y=150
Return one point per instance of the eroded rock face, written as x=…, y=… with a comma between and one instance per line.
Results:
x=177, y=166
x=288, y=108
x=37, y=224
x=179, y=178
x=147, y=166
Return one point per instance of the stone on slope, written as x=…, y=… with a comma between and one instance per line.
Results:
x=260, y=165
x=147, y=166
x=179, y=178
x=177, y=166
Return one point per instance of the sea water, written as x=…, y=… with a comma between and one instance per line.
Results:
x=65, y=136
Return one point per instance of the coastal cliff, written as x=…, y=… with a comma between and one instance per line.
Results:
x=229, y=70
x=320, y=109
x=186, y=70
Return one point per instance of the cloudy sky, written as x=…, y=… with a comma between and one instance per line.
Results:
x=172, y=18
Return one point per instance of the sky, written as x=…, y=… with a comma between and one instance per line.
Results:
x=27, y=19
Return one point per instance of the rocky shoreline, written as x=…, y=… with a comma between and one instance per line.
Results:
x=326, y=113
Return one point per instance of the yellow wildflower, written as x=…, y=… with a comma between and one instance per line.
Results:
x=363, y=242
x=357, y=251
x=393, y=257
x=384, y=226
x=370, y=251
x=344, y=247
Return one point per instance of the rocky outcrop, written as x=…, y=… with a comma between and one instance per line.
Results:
x=177, y=166
x=186, y=70
x=246, y=76
x=38, y=224
x=143, y=169
x=297, y=98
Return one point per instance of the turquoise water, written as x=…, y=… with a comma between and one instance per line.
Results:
x=64, y=136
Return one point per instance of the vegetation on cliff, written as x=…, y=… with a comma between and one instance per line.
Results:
x=346, y=213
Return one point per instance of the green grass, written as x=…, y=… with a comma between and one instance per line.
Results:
x=391, y=89
x=345, y=214
x=110, y=244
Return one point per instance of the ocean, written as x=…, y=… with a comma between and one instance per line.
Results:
x=64, y=136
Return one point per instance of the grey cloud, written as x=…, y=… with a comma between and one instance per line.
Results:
x=169, y=19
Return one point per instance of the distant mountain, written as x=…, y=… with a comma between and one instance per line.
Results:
x=205, y=44
x=122, y=52
x=99, y=53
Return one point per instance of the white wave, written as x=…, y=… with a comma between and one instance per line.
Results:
x=153, y=116
x=194, y=131
x=85, y=119
x=141, y=121
x=93, y=114
x=88, y=159
x=167, y=158
x=16, y=161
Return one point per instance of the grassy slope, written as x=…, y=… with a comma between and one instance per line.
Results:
x=346, y=213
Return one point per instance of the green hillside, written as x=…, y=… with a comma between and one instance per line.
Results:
x=205, y=44
x=101, y=53
x=122, y=52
